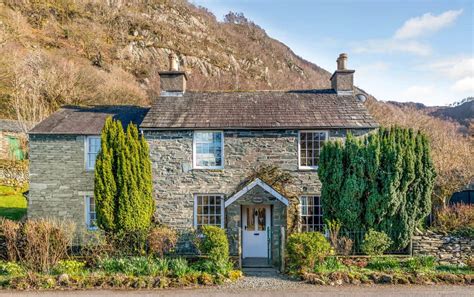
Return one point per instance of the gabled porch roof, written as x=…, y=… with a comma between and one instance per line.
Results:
x=263, y=185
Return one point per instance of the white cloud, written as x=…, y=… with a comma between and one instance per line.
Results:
x=417, y=93
x=454, y=67
x=427, y=23
x=464, y=85
x=391, y=46
x=405, y=38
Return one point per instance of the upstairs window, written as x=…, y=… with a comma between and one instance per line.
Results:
x=208, y=210
x=92, y=149
x=91, y=215
x=311, y=213
x=208, y=150
x=309, y=147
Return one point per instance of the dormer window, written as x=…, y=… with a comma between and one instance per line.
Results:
x=310, y=144
x=208, y=150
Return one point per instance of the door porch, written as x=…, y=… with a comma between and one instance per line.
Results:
x=254, y=219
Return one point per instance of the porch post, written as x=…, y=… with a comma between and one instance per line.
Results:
x=282, y=250
x=239, y=244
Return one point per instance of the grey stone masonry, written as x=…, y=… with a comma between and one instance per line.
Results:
x=59, y=181
x=446, y=249
x=175, y=181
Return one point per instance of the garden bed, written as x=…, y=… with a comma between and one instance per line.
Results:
x=387, y=270
x=116, y=273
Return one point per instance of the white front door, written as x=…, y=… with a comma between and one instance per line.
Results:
x=255, y=223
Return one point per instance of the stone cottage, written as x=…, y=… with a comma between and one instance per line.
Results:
x=203, y=146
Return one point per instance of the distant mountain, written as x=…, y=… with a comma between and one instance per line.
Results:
x=462, y=113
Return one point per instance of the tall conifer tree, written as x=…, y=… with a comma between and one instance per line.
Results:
x=387, y=181
x=123, y=188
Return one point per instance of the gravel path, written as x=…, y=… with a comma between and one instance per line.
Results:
x=268, y=279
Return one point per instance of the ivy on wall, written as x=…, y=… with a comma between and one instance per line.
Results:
x=282, y=182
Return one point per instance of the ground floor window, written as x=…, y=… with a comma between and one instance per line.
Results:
x=311, y=213
x=91, y=216
x=208, y=210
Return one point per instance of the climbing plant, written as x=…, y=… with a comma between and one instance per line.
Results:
x=382, y=181
x=282, y=182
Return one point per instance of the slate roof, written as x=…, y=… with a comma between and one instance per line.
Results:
x=10, y=126
x=260, y=110
x=87, y=120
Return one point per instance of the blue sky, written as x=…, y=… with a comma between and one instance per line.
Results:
x=416, y=50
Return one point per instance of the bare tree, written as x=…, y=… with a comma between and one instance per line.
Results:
x=26, y=86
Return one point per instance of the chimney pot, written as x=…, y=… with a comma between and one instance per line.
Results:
x=174, y=63
x=342, y=81
x=342, y=62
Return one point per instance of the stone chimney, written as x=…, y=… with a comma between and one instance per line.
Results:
x=342, y=81
x=173, y=81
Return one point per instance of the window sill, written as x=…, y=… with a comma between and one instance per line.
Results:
x=308, y=168
x=209, y=168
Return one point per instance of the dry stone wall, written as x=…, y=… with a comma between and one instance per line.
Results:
x=446, y=249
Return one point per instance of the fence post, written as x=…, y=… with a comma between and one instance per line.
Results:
x=410, y=247
x=282, y=250
x=239, y=240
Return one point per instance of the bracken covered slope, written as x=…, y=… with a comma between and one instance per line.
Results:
x=130, y=40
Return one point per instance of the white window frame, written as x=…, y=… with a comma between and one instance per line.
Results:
x=299, y=147
x=88, y=211
x=195, y=166
x=86, y=151
x=320, y=214
x=195, y=224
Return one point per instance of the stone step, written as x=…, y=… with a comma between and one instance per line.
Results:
x=267, y=271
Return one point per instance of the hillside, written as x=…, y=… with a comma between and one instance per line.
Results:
x=55, y=52
x=461, y=112
x=112, y=53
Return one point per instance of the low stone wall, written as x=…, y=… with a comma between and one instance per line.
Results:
x=447, y=249
x=13, y=173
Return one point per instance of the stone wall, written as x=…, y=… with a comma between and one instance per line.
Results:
x=446, y=249
x=59, y=181
x=175, y=181
x=13, y=173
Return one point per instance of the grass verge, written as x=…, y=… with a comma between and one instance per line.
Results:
x=12, y=203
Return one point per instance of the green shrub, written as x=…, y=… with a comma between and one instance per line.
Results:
x=213, y=243
x=70, y=267
x=375, y=243
x=305, y=249
x=11, y=269
x=179, y=267
x=420, y=263
x=466, y=231
x=384, y=263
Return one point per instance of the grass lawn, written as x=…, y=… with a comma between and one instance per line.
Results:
x=12, y=203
